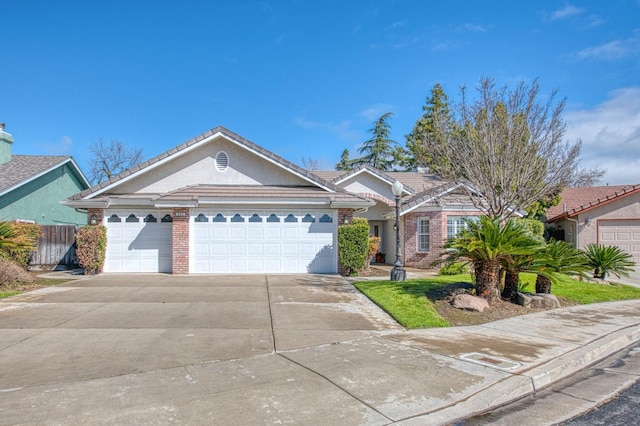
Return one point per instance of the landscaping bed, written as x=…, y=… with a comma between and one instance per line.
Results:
x=421, y=303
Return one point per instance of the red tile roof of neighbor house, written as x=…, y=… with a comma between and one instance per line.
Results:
x=578, y=200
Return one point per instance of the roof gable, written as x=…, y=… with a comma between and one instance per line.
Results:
x=23, y=169
x=579, y=200
x=166, y=172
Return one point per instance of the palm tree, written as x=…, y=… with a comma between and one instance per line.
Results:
x=488, y=244
x=609, y=259
x=556, y=259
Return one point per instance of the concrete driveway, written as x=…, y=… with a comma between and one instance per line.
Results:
x=94, y=349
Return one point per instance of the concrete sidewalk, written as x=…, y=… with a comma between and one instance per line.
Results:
x=305, y=350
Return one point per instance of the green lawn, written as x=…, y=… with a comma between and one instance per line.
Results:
x=408, y=304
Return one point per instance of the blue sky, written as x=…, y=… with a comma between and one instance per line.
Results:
x=307, y=78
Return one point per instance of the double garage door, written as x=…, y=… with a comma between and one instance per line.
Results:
x=272, y=241
x=225, y=241
x=624, y=233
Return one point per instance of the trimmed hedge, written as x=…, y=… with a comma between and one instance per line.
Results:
x=353, y=245
x=91, y=248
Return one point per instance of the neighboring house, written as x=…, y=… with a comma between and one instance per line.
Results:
x=607, y=215
x=432, y=211
x=32, y=186
x=219, y=203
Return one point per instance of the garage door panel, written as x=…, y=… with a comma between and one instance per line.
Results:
x=136, y=245
x=274, y=241
x=624, y=234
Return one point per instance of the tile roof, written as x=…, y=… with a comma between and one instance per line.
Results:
x=577, y=200
x=263, y=192
x=414, y=182
x=229, y=134
x=23, y=168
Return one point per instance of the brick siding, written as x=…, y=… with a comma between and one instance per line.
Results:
x=180, y=233
x=437, y=237
x=99, y=215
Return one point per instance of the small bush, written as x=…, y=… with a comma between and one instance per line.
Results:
x=353, y=245
x=374, y=246
x=534, y=226
x=454, y=268
x=609, y=260
x=91, y=247
x=11, y=273
x=24, y=240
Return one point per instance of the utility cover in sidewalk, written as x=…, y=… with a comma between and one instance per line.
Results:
x=490, y=361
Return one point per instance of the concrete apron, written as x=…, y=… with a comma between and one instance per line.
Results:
x=157, y=349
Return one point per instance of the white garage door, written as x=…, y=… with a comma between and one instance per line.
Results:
x=138, y=241
x=624, y=234
x=236, y=241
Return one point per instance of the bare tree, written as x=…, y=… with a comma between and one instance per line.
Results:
x=111, y=158
x=310, y=163
x=586, y=177
x=508, y=145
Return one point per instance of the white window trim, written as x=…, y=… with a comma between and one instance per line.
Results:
x=419, y=234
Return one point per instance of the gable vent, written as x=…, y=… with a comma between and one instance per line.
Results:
x=222, y=161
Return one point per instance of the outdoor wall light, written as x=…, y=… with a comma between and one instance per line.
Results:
x=345, y=219
x=587, y=221
x=93, y=219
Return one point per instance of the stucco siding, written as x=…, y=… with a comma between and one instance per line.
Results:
x=199, y=167
x=39, y=200
x=364, y=183
x=623, y=208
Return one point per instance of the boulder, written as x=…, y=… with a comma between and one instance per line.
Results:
x=538, y=300
x=469, y=302
x=456, y=288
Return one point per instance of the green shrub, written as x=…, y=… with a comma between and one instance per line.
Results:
x=454, y=268
x=609, y=259
x=534, y=226
x=17, y=241
x=91, y=247
x=353, y=245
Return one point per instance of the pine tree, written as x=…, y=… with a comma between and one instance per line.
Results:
x=427, y=129
x=378, y=151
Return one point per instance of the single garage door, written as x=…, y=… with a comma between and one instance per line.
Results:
x=624, y=233
x=138, y=241
x=233, y=241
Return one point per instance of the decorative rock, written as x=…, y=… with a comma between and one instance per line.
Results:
x=456, y=288
x=538, y=300
x=469, y=302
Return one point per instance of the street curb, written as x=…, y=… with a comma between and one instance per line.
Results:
x=523, y=384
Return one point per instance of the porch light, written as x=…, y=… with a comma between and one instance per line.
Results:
x=93, y=219
x=345, y=219
x=398, y=273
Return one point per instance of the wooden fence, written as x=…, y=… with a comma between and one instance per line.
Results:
x=56, y=248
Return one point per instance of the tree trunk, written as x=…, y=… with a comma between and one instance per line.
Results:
x=511, y=281
x=543, y=284
x=487, y=279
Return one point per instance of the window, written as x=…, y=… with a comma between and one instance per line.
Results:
x=273, y=218
x=114, y=218
x=326, y=219
x=166, y=218
x=150, y=219
x=132, y=218
x=237, y=218
x=255, y=218
x=290, y=218
x=308, y=218
x=222, y=161
x=201, y=218
x=456, y=224
x=423, y=234
x=218, y=218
